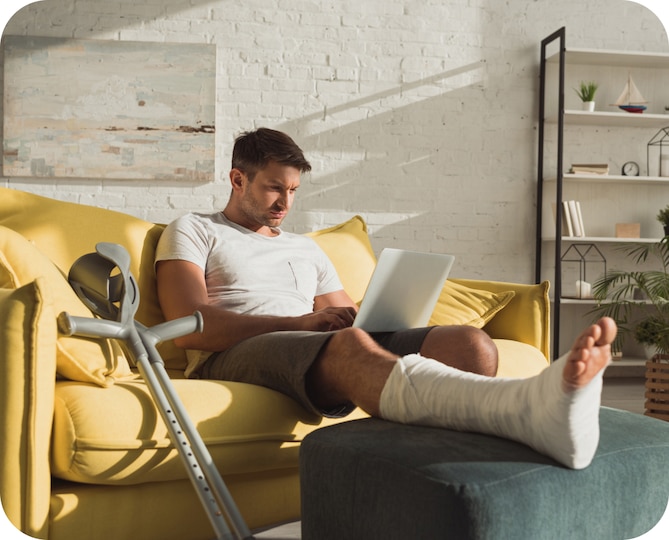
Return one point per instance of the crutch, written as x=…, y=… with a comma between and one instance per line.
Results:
x=114, y=296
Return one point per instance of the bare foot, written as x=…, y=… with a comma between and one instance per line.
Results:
x=590, y=354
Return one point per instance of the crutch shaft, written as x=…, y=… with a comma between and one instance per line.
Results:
x=197, y=446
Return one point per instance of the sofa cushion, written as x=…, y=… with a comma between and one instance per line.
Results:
x=518, y=360
x=115, y=435
x=459, y=304
x=99, y=361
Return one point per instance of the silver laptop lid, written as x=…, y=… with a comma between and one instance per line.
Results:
x=403, y=290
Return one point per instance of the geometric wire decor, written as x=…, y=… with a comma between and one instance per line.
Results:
x=581, y=263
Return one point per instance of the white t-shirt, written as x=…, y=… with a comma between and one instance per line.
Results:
x=247, y=272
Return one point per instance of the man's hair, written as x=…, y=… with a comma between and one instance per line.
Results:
x=254, y=150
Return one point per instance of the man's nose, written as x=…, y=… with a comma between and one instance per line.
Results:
x=285, y=199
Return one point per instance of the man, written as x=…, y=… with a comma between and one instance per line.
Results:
x=275, y=314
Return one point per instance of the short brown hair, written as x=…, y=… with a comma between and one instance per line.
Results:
x=253, y=150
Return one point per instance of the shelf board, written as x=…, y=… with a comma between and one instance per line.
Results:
x=631, y=59
x=629, y=361
x=604, y=118
x=626, y=366
x=603, y=239
x=593, y=302
x=609, y=178
x=578, y=301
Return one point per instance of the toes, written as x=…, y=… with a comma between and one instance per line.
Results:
x=608, y=331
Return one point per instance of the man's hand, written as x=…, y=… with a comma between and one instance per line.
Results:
x=328, y=319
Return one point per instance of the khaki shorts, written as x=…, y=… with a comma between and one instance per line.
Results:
x=280, y=361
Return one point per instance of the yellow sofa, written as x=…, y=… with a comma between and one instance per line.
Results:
x=83, y=452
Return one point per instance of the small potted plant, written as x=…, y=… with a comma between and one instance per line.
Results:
x=663, y=217
x=586, y=92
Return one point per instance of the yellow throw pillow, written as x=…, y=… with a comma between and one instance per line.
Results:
x=463, y=305
x=99, y=361
x=348, y=247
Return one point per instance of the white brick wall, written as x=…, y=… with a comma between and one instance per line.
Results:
x=419, y=115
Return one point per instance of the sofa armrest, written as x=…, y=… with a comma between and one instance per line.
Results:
x=27, y=384
x=527, y=316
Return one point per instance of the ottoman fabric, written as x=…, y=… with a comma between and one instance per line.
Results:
x=374, y=479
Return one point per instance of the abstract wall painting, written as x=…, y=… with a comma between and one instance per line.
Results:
x=108, y=109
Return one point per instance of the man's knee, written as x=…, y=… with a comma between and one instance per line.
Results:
x=463, y=347
x=353, y=340
x=486, y=356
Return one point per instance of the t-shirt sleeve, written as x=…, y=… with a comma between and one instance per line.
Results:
x=328, y=280
x=184, y=239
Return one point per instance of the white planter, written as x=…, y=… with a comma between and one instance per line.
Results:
x=589, y=106
x=650, y=350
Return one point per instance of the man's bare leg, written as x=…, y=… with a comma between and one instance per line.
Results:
x=556, y=412
x=353, y=367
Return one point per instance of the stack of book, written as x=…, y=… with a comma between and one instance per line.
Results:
x=589, y=168
x=572, y=219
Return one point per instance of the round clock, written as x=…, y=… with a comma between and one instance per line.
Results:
x=631, y=168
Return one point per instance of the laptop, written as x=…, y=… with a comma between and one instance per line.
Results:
x=403, y=290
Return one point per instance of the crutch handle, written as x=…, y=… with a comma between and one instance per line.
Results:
x=178, y=327
x=69, y=325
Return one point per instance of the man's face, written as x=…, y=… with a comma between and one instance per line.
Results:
x=266, y=200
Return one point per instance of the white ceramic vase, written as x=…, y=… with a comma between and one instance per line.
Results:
x=650, y=350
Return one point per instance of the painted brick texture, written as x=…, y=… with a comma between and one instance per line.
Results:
x=420, y=115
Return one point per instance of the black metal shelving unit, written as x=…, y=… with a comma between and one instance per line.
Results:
x=559, y=37
x=559, y=58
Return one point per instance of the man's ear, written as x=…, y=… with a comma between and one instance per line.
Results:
x=237, y=179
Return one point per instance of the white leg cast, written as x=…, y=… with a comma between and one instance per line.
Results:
x=561, y=424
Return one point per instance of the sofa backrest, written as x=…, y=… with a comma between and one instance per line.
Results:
x=65, y=231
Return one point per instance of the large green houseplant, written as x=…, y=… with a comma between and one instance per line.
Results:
x=638, y=300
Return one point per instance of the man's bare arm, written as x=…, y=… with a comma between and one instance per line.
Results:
x=182, y=290
x=336, y=299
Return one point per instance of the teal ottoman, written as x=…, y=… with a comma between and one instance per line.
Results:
x=371, y=479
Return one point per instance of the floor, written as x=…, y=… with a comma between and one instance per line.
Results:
x=289, y=531
x=626, y=393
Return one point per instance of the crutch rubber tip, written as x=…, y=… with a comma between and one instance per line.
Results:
x=65, y=325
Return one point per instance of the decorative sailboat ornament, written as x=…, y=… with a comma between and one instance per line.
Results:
x=631, y=99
